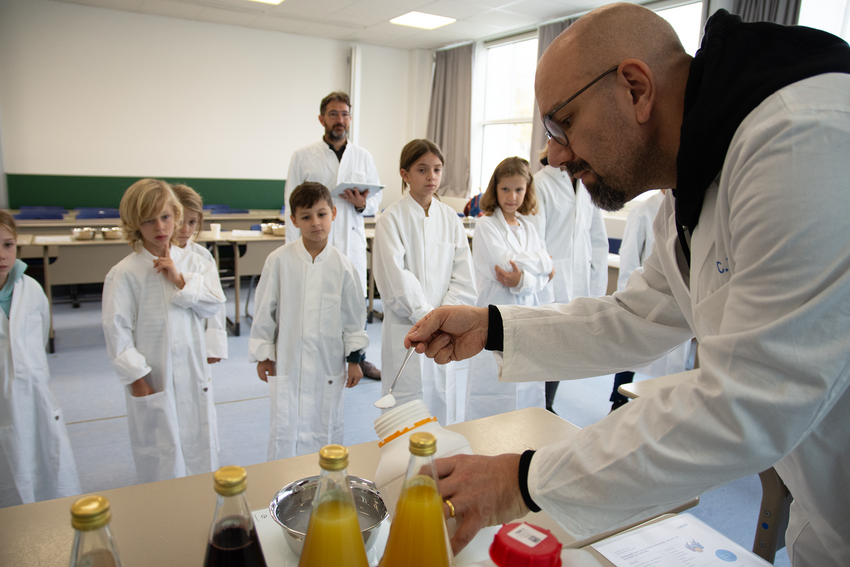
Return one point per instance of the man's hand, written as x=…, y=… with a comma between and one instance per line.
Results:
x=355, y=197
x=265, y=369
x=211, y=360
x=484, y=492
x=509, y=279
x=355, y=373
x=452, y=332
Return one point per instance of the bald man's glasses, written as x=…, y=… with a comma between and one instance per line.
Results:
x=554, y=131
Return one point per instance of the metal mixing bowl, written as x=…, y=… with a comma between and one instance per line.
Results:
x=86, y=233
x=292, y=505
x=111, y=233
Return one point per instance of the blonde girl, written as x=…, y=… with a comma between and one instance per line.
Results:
x=155, y=302
x=511, y=267
x=187, y=234
x=421, y=261
x=36, y=462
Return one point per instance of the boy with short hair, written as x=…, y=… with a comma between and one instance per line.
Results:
x=309, y=321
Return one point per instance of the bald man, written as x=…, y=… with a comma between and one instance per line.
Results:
x=751, y=256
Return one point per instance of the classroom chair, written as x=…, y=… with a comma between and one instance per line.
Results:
x=214, y=207
x=283, y=210
x=230, y=211
x=39, y=214
x=96, y=213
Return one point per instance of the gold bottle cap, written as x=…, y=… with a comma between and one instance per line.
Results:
x=333, y=457
x=230, y=480
x=423, y=444
x=90, y=513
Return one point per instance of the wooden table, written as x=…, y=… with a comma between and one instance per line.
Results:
x=167, y=522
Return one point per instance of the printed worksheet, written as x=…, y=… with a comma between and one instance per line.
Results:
x=678, y=541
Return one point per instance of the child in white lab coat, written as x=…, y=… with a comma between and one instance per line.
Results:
x=36, y=462
x=309, y=321
x=511, y=267
x=421, y=261
x=155, y=302
x=190, y=229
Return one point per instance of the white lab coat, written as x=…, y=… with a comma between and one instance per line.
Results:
x=309, y=316
x=634, y=249
x=156, y=331
x=767, y=296
x=216, y=333
x=497, y=243
x=317, y=162
x=421, y=262
x=36, y=462
x=575, y=236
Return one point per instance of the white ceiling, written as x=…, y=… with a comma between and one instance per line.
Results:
x=366, y=21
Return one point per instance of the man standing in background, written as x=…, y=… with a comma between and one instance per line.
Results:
x=331, y=161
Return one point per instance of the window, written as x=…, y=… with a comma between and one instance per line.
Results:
x=508, y=104
x=687, y=21
x=832, y=16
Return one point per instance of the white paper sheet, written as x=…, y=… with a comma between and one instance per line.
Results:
x=678, y=541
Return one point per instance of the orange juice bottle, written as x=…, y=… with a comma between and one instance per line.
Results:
x=418, y=535
x=333, y=535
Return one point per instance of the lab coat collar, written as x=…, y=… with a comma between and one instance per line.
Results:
x=305, y=255
x=518, y=244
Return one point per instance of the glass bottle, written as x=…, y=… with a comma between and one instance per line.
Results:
x=233, y=539
x=418, y=535
x=333, y=535
x=93, y=543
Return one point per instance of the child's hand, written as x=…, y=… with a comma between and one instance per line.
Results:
x=265, y=369
x=211, y=360
x=552, y=274
x=166, y=267
x=140, y=388
x=354, y=374
x=509, y=279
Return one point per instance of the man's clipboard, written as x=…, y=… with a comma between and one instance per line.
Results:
x=340, y=189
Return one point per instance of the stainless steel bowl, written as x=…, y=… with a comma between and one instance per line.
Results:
x=111, y=233
x=279, y=230
x=292, y=505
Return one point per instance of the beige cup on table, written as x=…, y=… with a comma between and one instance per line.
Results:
x=215, y=228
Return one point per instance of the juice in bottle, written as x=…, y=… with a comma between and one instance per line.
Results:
x=333, y=537
x=418, y=536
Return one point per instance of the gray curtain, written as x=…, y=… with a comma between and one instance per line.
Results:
x=450, y=117
x=545, y=35
x=786, y=12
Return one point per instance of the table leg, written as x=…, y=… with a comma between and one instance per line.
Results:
x=234, y=325
x=49, y=293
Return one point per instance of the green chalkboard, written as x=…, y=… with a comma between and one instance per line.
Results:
x=71, y=191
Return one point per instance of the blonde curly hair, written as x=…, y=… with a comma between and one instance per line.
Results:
x=144, y=200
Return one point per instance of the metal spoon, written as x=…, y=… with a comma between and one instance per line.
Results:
x=388, y=401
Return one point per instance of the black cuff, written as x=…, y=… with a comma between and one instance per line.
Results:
x=495, y=330
x=355, y=356
x=524, y=465
x=360, y=209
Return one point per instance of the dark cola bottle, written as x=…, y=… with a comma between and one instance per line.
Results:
x=233, y=538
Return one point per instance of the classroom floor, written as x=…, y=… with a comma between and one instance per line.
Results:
x=93, y=402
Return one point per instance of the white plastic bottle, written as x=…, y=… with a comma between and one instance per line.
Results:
x=394, y=429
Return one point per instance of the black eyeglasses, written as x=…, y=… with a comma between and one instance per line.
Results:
x=553, y=129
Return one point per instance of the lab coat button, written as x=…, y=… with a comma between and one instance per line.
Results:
x=56, y=417
x=205, y=389
x=330, y=382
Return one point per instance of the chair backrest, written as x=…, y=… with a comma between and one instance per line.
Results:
x=92, y=213
x=230, y=211
x=211, y=206
x=283, y=210
x=39, y=215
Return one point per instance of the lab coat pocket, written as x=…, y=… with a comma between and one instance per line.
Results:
x=708, y=313
x=330, y=323
x=154, y=437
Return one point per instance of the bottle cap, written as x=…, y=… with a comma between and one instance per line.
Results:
x=230, y=480
x=423, y=444
x=90, y=513
x=524, y=545
x=333, y=457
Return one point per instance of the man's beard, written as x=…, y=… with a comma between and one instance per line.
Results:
x=604, y=196
x=335, y=137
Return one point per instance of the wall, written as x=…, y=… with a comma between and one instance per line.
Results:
x=91, y=91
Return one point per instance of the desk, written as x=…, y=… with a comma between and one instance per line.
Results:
x=257, y=249
x=21, y=241
x=238, y=221
x=167, y=522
